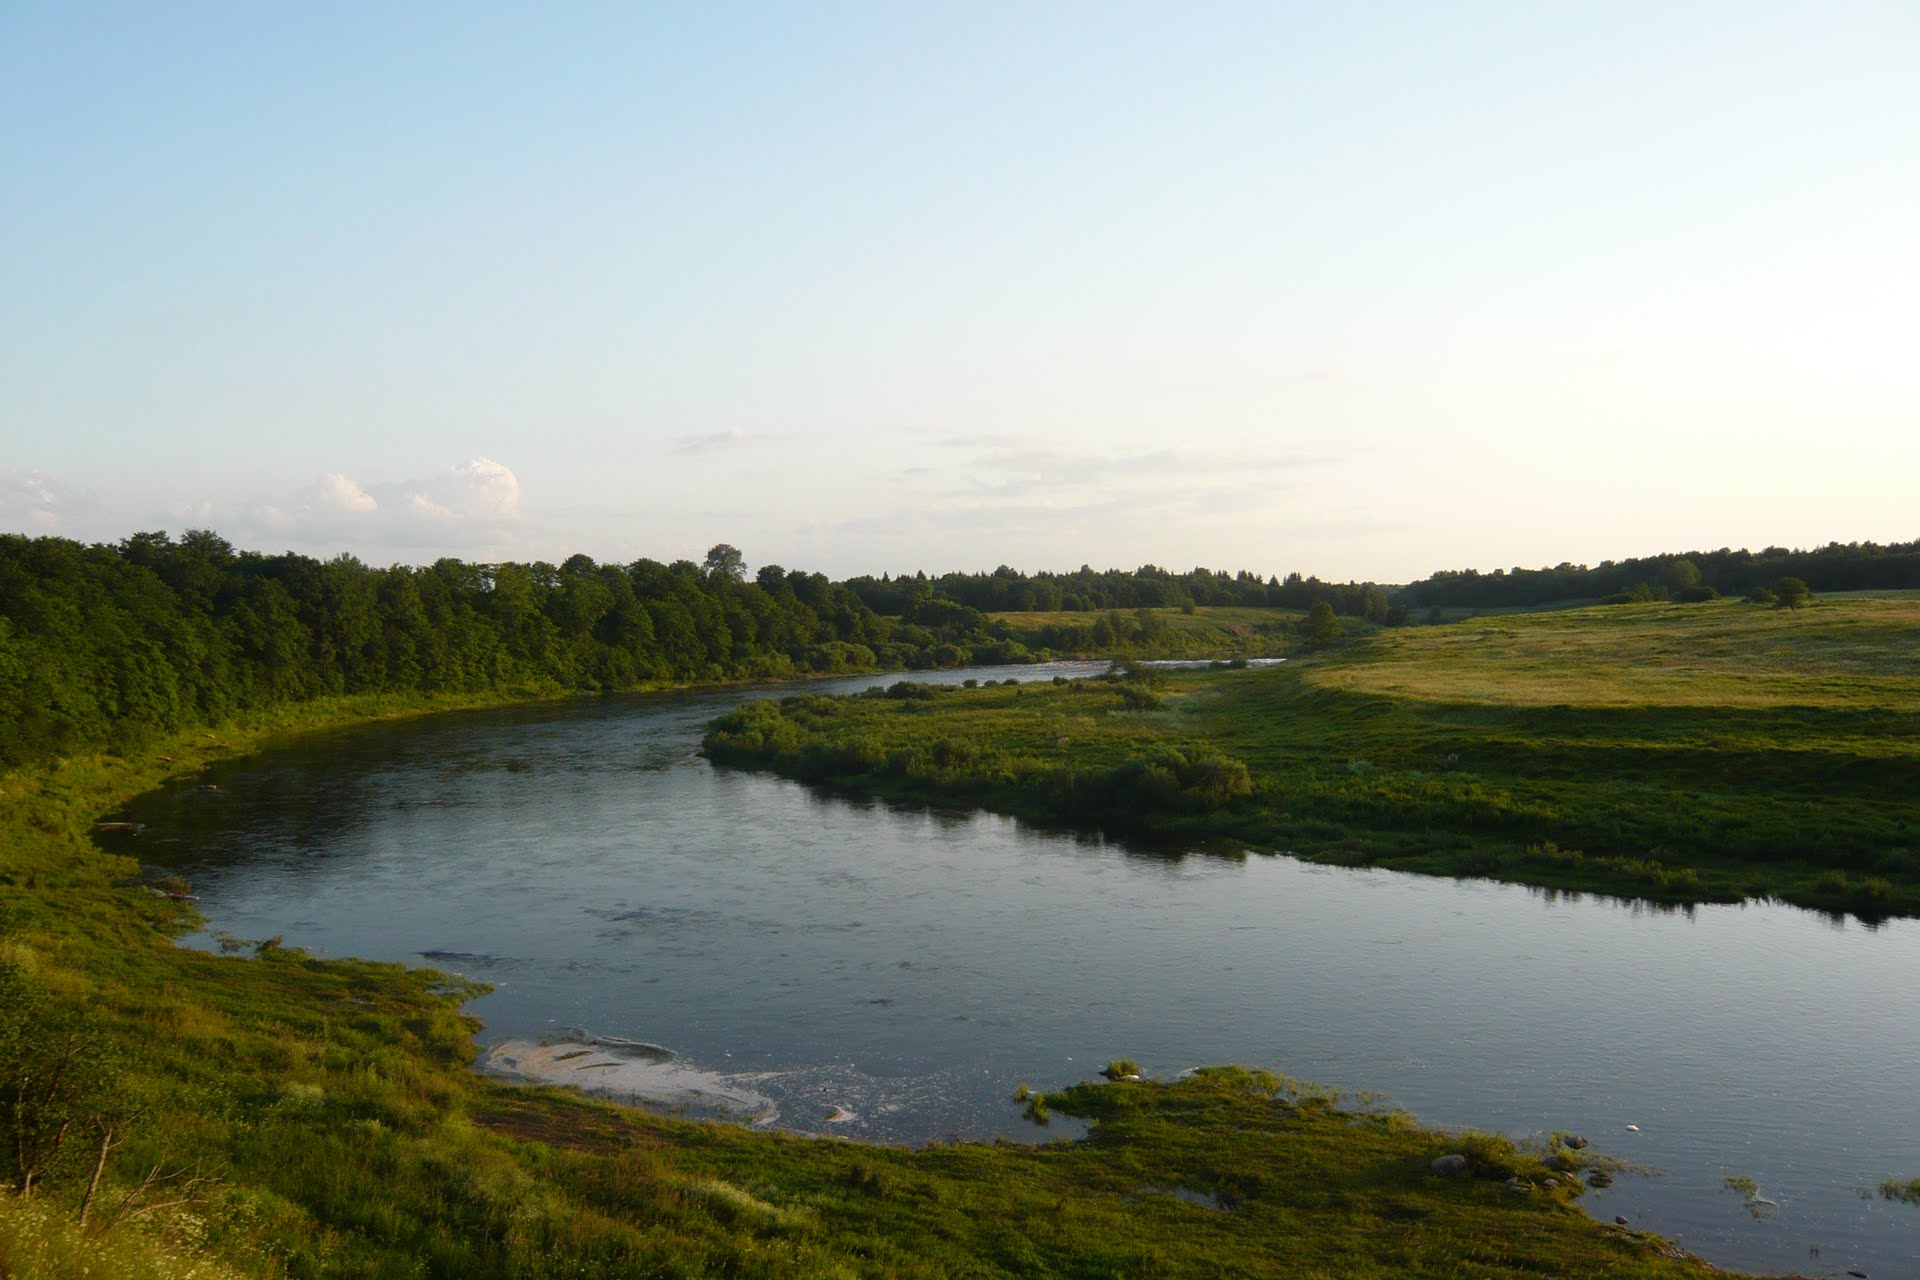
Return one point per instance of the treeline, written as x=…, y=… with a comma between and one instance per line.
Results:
x=1853, y=566
x=102, y=645
x=1086, y=590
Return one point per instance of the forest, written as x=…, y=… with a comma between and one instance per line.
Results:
x=1087, y=590
x=107, y=645
x=1850, y=566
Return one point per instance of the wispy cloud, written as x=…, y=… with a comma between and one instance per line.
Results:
x=31, y=502
x=718, y=440
x=985, y=440
x=1037, y=501
x=1052, y=476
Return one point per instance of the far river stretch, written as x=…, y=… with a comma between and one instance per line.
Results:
x=893, y=975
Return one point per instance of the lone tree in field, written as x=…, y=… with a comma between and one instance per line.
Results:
x=1320, y=627
x=1791, y=593
x=725, y=561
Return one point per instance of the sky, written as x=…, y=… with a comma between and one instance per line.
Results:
x=1364, y=290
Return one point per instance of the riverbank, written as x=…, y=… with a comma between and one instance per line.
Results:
x=333, y=1107
x=1675, y=753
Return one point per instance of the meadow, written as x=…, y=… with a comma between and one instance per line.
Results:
x=1679, y=753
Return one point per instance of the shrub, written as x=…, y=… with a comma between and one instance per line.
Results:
x=1320, y=627
x=912, y=691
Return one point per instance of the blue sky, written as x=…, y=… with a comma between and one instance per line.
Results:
x=1363, y=289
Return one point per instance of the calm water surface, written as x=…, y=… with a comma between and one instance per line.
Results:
x=913, y=967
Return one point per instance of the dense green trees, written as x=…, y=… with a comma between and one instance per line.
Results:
x=1085, y=590
x=1853, y=566
x=104, y=645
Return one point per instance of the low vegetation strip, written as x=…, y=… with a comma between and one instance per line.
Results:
x=1559, y=750
x=274, y=1114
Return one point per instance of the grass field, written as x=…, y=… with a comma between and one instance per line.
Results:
x=1859, y=653
x=1675, y=752
x=320, y=1118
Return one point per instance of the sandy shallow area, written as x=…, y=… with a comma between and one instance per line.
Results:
x=633, y=1072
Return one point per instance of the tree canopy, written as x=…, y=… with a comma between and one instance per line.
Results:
x=100, y=645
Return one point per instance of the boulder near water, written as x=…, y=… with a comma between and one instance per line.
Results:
x=1450, y=1166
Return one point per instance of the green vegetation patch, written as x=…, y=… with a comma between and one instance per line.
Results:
x=1905, y=1190
x=1679, y=753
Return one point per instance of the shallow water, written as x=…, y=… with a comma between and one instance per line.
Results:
x=913, y=967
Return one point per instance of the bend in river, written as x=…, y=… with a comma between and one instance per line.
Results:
x=893, y=974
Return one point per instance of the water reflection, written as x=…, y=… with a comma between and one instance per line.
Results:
x=911, y=965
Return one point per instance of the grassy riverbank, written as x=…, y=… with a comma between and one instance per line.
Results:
x=1680, y=753
x=320, y=1118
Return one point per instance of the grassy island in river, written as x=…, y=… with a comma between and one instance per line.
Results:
x=1679, y=753
x=320, y=1118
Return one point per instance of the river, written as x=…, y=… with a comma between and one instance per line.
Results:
x=893, y=974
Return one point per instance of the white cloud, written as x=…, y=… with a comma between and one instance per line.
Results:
x=336, y=490
x=487, y=487
x=30, y=501
x=471, y=510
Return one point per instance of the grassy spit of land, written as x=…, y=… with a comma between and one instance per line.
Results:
x=1680, y=753
x=320, y=1118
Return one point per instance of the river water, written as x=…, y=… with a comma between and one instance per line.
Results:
x=912, y=967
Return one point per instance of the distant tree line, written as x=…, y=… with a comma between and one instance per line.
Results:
x=1853, y=566
x=103, y=644
x=1086, y=590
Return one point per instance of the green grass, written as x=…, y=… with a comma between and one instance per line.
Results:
x=39, y=1239
x=1680, y=753
x=332, y=1105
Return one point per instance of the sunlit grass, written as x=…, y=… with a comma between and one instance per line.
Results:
x=1856, y=653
